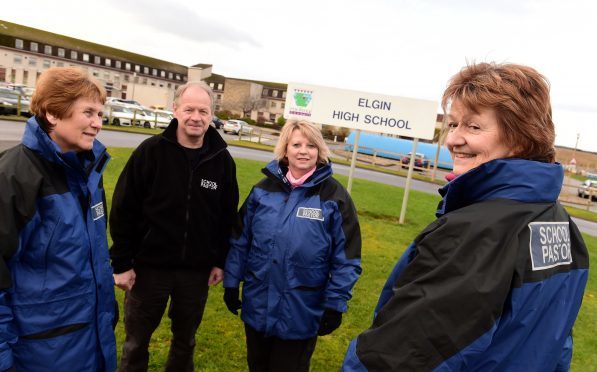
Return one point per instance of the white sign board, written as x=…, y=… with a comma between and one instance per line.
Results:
x=359, y=110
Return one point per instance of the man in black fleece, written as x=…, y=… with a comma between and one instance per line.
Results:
x=172, y=214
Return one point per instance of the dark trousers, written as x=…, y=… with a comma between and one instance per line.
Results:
x=273, y=354
x=144, y=307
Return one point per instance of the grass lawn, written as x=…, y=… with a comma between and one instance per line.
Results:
x=220, y=340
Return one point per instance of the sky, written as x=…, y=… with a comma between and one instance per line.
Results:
x=406, y=48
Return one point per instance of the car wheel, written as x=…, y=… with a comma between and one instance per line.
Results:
x=115, y=122
x=147, y=125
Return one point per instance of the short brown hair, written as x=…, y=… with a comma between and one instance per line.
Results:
x=308, y=130
x=520, y=97
x=58, y=88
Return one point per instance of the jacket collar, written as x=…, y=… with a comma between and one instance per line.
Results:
x=278, y=171
x=515, y=179
x=36, y=139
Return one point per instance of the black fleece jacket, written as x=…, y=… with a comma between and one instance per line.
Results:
x=168, y=214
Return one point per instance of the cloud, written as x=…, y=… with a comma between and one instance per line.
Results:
x=184, y=21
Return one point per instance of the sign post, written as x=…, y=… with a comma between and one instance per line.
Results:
x=353, y=160
x=370, y=112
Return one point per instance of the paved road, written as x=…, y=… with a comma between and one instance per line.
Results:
x=11, y=133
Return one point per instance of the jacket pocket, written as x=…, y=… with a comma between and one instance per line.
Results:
x=55, y=332
x=313, y=278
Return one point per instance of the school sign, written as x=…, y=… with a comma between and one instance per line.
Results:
x=359, y=110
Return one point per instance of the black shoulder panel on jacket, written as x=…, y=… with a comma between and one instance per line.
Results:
x=24, y=178
x=331, y=189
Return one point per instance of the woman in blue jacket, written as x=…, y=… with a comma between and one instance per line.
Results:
x=57, y=306
x=496, y=282
x=297, y=253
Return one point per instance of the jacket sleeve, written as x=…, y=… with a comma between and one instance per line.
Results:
x=17, y=206
x=230, y=215
x=449, y=295
x=345, y=262
x=240, y=243
x=127, y=201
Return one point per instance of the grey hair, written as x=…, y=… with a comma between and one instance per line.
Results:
x=199, y=84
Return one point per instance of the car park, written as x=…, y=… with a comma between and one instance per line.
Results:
x=237, y=126
x=420, y=160
x=589, y=187
x=10, y=102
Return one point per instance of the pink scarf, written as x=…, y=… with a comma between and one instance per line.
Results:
x=296, y=182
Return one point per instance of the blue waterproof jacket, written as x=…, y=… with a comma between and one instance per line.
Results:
x=57, y=305
x=494, y=284
x=297, y=253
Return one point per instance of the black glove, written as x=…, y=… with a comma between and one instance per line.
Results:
x=330, y=320
x=232, y=300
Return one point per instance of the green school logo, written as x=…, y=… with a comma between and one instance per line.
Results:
x=302, y=98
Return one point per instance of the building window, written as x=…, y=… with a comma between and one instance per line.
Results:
x=18, y=43
x=220, y=86
x=144, y=81
x=265, y=92
x=137, y=68
x=13, y=75
x=74, y=54
x=117, y=64
x=284, y=94
x=61, y=52
x=25, y=77
x=47, y=49
x=274, y=93
x=272, y=117
x=177, y=77
x=85, y=57
x=154, y=72
x=163, y=74
x=146, y=70
x=97, y=60
x=283, y=105
x=273, y=104
x=127, y=66
x=17, y=59
x=108, y=62
x=170, y=75
x=259, y=113
x=219, y=96
x=95, y=73
x=169, y=85
x=47, y=63
x=127, y=77
x=32, y=61
x=161, y=85
x=33, y=46
x=153, y=83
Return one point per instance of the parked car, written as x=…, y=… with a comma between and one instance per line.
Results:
x=163, y=118
x=118, y=115
x=217, y=122
x=589, y=187
x=236, y=126
x=420, y=160
x=10, y=100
